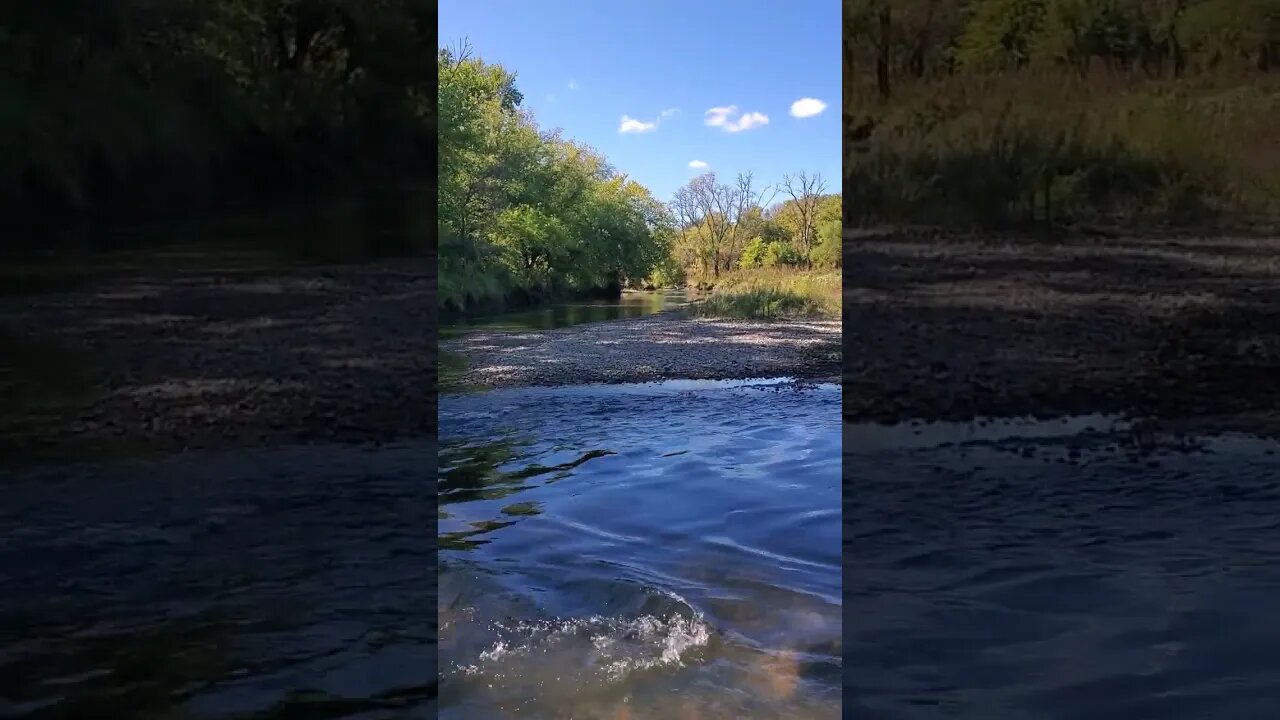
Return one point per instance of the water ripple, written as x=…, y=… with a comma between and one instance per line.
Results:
x=1059, y=570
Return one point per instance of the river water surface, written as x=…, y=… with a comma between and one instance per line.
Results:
x=284, y=583
x=1063, y=569
x=564, y=314
x=667, y=550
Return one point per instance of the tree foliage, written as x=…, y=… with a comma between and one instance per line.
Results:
x=940, y=38
x=722, y=226
x=523, y=213
x=117, y=107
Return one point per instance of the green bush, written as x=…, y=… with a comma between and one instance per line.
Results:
x=761, y=253
x=828, y=253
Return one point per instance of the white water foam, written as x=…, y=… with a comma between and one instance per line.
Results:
x=606, y=648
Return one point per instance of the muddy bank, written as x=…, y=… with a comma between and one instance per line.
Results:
x=944, y=327
x=663, y=346
x=219, y=357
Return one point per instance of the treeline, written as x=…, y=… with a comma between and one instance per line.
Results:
x=728, y=226
x=1009, y=112
x=129, y=108
x=525, y=214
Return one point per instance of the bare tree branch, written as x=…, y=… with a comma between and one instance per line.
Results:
x=806, y=194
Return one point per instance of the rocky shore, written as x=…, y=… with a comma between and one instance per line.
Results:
x=1186, y=330
x=1182, y=330
x=231, y=357
x=656, y=347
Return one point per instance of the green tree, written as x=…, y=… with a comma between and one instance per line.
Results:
x=1000, y=33
x=526, y=214
x=828, y=253
x=115, y=107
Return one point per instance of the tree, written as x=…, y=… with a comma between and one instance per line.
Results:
x=924, y=31
x=828, y=252
x=526, y=214
x=1000, y=34
x=869, y=23
x=1226, y=32
x=114, y=107
x=806, y=193
x=883, y=44
x=713, y=210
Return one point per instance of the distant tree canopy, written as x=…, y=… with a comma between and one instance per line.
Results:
x=913, y=39
x=119, y=107
x=523, y=213
x=722, y=226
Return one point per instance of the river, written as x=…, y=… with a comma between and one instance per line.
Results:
x=1064, y=569
x=277, y=582
x=666, y=550
x=273, y=583
x=661, y=550
x=567, y=313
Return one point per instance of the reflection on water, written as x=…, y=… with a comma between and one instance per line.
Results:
x=380, y=223
x=565, y=314
x=268, y=584
x=664, y=550
x=1074, y=568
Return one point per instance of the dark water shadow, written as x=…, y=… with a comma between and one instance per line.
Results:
x=265, y=584
x=567, y=313
x=1068, y=568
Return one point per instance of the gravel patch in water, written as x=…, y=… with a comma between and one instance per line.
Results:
x=947, y=327
x=221, y=358
x=656, y=347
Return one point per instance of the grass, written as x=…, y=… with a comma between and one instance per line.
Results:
x=1047, y=149
x=774, y=295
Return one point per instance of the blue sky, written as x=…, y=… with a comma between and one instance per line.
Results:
x=585, y=65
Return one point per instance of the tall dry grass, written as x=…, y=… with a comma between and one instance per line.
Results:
x=772, y=294
x=1048, y=148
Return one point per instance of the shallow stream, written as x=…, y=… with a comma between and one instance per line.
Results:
x=666, y=550
x=1071, y=568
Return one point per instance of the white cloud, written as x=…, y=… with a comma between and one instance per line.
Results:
x=632, y=125
x=717, y=116
x=698, y=164
x=748, y=121
x=573, y=84
x=807, y=107
x=728, y=119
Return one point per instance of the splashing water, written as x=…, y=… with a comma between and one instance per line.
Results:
x=606, y=648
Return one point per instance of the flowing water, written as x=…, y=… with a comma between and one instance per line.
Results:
x=564, y=314
x=286, y=583
x=1074, y=568
x=667, y=550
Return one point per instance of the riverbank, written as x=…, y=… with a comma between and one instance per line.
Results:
x=948, y=327
x=663, y=346
x=941, y=327
x=218, y=355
